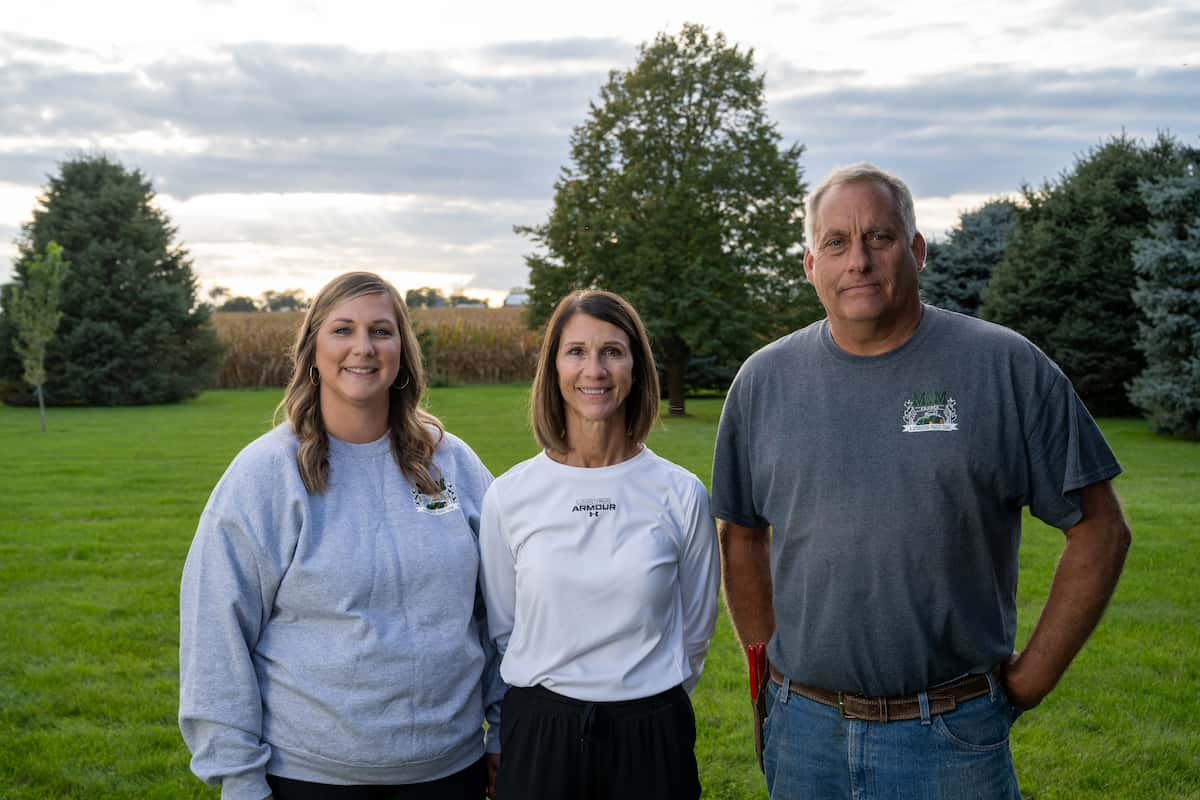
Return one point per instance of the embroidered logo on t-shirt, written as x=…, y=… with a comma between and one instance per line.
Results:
x=443, y=502
x=594, y=506
x=930, y=411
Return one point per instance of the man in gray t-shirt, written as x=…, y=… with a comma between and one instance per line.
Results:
x=890, y=449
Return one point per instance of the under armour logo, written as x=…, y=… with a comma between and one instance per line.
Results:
x=594, y=506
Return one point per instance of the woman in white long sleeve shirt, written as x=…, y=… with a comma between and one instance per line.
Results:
x=600, y=575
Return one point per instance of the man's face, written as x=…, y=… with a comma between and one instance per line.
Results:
x=859, y=262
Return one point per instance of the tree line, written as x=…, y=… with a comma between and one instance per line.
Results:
x=222, y=299
x=681, y=195
x=287, y=300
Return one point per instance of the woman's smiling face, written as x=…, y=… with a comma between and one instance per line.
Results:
x=595, y=370
x=358, y=353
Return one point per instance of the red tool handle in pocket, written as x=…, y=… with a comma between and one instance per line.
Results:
x=756, y=658
x=752, y=663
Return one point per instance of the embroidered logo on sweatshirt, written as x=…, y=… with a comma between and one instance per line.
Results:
x=443, y=502
x=930, y=411
x=593, y=506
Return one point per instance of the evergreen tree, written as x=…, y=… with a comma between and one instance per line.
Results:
x=1066, y=279
x=958, y=269
x=131, y=331
x=1167, y=263
x=679, y=197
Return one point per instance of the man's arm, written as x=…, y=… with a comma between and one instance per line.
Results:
x=746, y=576
x=1083, y=582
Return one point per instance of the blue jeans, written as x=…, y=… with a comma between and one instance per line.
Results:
x=809, y=751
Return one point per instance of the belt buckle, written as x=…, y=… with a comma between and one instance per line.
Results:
x=849, y=715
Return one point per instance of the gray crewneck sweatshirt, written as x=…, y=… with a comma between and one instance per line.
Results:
x=336, y=638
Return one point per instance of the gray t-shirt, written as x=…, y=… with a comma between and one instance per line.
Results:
x=894, y=485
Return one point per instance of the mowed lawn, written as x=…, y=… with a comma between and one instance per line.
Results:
x=96, y=516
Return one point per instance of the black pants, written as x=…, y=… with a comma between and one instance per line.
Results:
x=557, y=748
x=468, y=784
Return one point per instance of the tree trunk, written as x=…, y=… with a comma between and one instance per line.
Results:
x=676, y=354
x=41, y=406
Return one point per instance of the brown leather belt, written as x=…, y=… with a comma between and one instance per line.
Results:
x=942, y=699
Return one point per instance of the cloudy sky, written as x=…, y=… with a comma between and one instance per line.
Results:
x=291, y=140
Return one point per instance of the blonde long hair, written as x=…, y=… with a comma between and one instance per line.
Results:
x=413, y=432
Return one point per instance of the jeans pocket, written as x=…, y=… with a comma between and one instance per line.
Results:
x=978, y=725
x=772, y=689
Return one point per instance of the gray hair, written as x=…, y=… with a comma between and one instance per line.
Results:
x=855, y=173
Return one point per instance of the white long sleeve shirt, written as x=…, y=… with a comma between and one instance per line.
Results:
x=600, y=583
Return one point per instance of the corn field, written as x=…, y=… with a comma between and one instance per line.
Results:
x=459, y=345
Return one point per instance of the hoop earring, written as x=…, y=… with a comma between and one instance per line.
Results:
x=403, y=385
x=314, y=377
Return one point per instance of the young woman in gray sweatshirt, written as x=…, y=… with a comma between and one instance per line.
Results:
x=332, y=634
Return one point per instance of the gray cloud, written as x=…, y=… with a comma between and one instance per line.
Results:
x=613, y=51
x=1176, y=24
x=14, y=41
x=28, y=168
x=1094, y=10
x=826, y=14
x=278, y=118
x=946, y=30
x=1150, y=22
x=988, y=130
x=784, y=76
x=329, y=119
x=9, y=233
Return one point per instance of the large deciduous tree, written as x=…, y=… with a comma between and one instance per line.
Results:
x=1066, y=279
x=131, y=330
x=958, y=269
x=1167, y=263
x=680, y=197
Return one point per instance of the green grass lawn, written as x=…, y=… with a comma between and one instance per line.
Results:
x=97, y=515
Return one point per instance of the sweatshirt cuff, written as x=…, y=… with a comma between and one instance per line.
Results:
x=246, y=786
x=491, y=739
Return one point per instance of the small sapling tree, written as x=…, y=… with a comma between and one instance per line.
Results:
x=35, y=315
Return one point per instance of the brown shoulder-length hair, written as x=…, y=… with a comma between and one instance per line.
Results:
x=546, y=401
x=414, y=432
